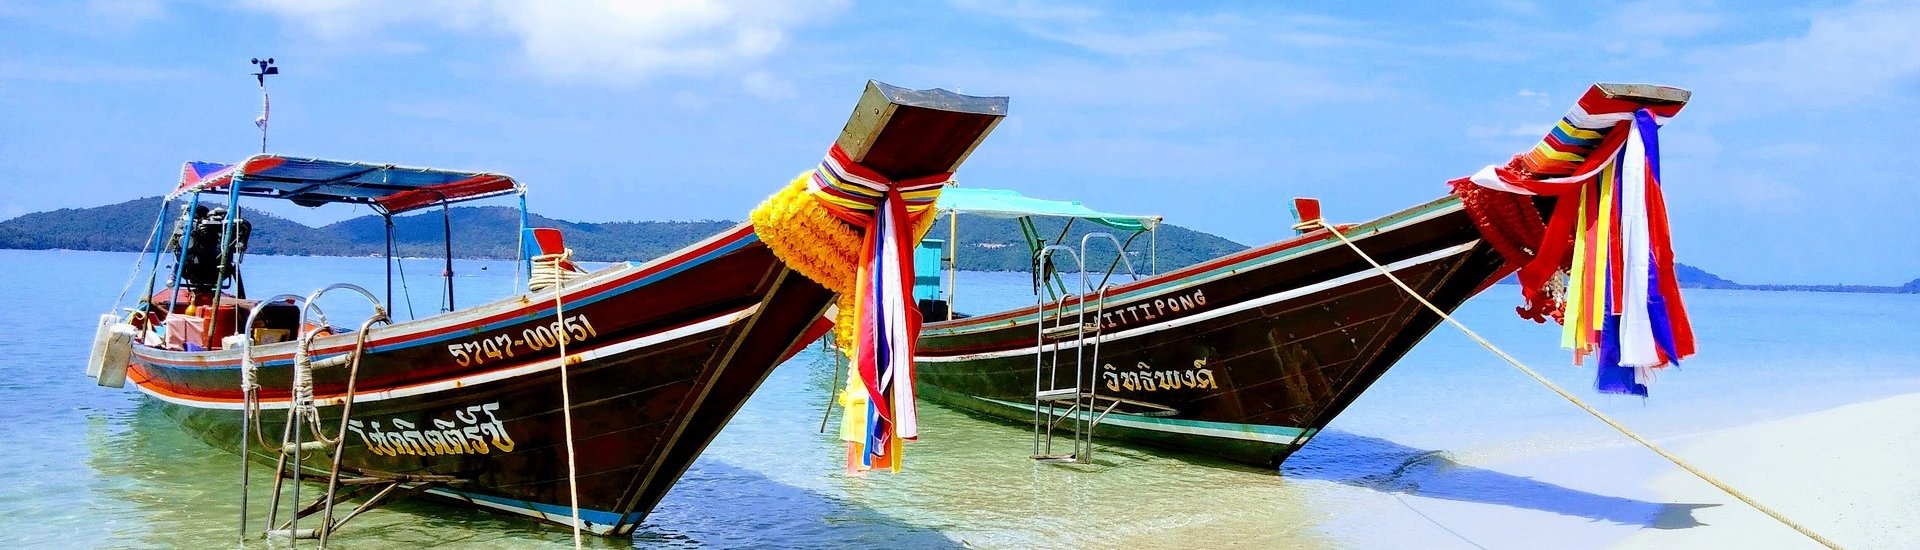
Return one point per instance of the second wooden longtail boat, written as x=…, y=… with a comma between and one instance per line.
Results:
x=1244, y=357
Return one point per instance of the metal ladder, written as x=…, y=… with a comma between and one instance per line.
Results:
x=1079, y=400
x=303, y=412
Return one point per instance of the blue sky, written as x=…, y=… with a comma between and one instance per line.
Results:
x=1790, y=166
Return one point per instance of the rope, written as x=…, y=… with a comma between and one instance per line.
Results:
x=1636, y=437
x=406, y=292
x=559, y=276
x=833, y=383
x=548, y=271
x=158, y=221
x=300, y=403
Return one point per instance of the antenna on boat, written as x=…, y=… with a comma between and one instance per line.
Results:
x=266, y=107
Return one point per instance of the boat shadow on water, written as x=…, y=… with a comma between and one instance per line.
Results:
x=720, y=505
x=1382, y=465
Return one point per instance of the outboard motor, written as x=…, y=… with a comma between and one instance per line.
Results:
x=202, y=269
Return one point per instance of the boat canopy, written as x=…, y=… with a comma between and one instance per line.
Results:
x=313, y=182
x=1004, y=203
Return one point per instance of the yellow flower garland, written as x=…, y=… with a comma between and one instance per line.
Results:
x=818, y=245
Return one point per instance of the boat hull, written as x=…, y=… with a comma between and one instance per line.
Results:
x=660, y=356
x=1243, y=358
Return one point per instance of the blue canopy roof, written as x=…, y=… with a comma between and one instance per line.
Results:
x=1003, y=203
x=313, y=182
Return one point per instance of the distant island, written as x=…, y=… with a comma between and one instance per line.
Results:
x=487, y=232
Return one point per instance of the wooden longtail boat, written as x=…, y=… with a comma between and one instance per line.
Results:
x=1245, y=357
x=467, y=405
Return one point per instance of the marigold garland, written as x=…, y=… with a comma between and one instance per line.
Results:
x=823, y=248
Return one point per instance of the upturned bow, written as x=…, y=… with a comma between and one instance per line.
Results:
x=1609, y=237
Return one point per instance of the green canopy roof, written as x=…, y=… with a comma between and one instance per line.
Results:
x=1003, y=203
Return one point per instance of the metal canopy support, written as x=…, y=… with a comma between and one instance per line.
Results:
x=446, y=218
x=953, y=259
x=388, y=219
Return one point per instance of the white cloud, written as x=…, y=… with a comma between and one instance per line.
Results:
x=590, y=40
x=349, y=20
x=1128, y=43
x=1866, y=50
x=126, y=12
x=1101, y=32
x=1537, y=97
x=767, y=86
x=1644, y=28
x=1029, y=10
x=46, y=71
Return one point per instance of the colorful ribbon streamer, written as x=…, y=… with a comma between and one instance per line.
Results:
x=888, y=322
x=1608, y=237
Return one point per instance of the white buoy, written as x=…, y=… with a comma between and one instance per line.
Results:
x=118, y=351
x=98, y=356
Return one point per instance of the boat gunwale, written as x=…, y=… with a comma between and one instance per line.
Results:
x=423, y=331
x=149, y=384
x=1189, y=276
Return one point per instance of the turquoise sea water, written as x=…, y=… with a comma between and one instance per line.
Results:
x=83, y=466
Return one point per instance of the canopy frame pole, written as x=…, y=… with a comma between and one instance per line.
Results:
x=226, y=258
x=388, y=218
x=520, y=263
x=1120, y=256
x=153, y=269
x=180, y=259
x=1059, y=280
x=446, y=219
x=1034, y=263
x=953, y=258
x=1153, y=250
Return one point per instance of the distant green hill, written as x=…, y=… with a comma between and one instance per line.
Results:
x=1694, y=277
x=488, y=232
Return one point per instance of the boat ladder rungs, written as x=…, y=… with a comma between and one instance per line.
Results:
x=1077, y=407
x=1071, y=330
x=1062, y=394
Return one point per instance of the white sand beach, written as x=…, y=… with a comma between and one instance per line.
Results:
x=1846, y=472
x=1840, y=471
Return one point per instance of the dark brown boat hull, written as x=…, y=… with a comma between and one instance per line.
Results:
x=651, y=387
x=1243, y=358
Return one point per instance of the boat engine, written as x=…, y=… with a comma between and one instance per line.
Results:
x=203, y=270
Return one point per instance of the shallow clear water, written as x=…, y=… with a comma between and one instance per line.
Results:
x=86, y=466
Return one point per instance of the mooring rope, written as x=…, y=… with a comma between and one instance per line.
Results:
x=549, y=271
x=135, y=274
x=559, y=275
x=1609, y=421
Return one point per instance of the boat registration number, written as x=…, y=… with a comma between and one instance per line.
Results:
x=504, y=346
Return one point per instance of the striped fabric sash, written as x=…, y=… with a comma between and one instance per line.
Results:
x=889, y=323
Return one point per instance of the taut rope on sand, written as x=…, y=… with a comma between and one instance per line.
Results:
x=1636, y=437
